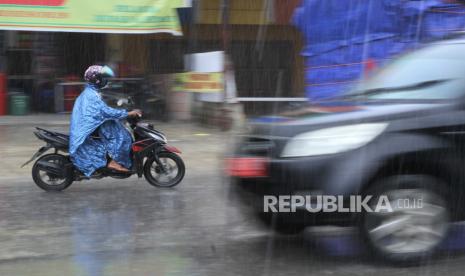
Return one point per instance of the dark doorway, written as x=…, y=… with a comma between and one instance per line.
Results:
x=82, y=50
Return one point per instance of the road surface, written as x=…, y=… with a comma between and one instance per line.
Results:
x=127, y=227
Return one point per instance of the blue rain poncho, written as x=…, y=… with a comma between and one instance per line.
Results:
x=90, y=113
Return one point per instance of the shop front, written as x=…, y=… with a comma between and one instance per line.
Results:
x=48, y=46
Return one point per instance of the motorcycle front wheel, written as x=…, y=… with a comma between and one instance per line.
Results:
x=170, y=175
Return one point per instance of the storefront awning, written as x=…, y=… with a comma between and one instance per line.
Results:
x=93, y=16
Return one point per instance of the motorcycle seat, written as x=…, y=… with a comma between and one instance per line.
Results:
x=57, y=139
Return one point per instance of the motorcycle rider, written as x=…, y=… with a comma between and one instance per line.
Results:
x=90, y=114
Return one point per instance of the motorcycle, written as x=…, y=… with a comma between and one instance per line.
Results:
x=152, y=158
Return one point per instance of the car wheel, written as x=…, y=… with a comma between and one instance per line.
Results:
x=416, y=225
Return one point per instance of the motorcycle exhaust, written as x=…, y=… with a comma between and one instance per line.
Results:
x=52, y=168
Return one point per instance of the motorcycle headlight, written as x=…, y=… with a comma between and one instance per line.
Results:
x=332, y=140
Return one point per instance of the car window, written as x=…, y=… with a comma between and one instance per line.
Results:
x=439, y=62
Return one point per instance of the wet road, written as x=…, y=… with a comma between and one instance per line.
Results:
x=115, y=227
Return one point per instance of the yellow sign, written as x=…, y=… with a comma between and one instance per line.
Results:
x=99, y=16
x=199, y=82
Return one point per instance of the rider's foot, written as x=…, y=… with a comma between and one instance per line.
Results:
x=117, y=167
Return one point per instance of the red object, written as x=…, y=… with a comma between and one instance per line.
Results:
x=370, y=66
x=71, y=77
x=140, y=145
x=3, y=94
x=247, y=167
x=33, y=2
x=172, y=149
x=70, y=95
x=284, y=10
x=137, y=148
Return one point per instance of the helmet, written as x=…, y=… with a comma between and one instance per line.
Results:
x=98, y=75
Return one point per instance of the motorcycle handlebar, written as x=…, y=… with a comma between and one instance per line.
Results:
x=133, y=120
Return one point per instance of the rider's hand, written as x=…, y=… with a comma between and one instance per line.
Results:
x=135, y=113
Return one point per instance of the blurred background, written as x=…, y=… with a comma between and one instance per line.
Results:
x=261, y=45
x=292, y=51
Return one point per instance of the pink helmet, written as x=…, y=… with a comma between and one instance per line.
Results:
x=98, y=75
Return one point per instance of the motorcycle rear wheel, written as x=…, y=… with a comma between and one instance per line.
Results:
x=48, y=181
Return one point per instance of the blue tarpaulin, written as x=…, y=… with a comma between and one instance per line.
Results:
x=343, y=36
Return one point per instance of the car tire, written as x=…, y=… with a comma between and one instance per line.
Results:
x=412, y=233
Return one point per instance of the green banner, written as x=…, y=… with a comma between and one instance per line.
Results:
x=98, y=16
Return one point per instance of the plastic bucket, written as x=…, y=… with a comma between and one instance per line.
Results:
x=3, y=95
x=18, y=104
